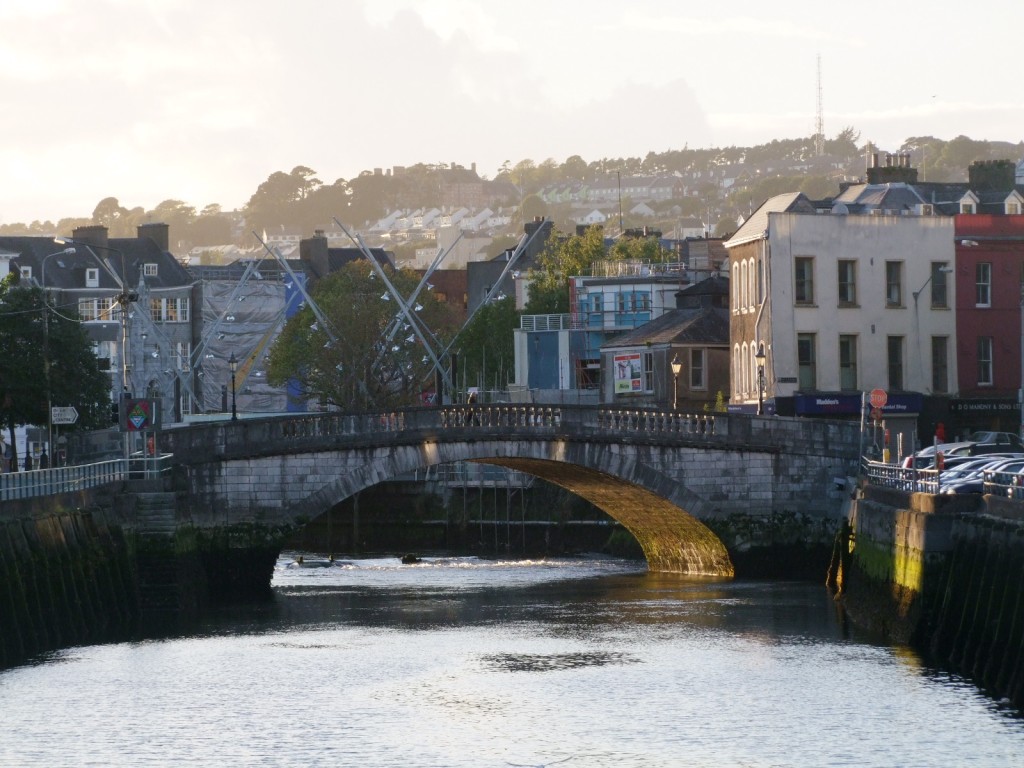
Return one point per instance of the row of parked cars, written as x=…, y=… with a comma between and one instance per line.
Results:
x=996, y=458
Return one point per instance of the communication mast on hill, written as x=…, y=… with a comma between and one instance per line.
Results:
x=819, y=125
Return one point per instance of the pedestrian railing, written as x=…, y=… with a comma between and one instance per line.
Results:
x=77, y=477
x=1007, y=484
x=909, y=479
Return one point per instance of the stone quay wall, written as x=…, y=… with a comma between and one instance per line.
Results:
x=67, y=577
x=944, y=574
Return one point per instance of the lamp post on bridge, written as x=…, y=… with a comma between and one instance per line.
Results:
x=233, y=365
x=759, y=356
x=677, y=366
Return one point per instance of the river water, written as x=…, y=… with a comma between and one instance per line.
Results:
x=467, y=662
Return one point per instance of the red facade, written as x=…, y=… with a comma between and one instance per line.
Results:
x=989, y=291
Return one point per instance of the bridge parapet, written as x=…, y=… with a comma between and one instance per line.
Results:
x=286, y=434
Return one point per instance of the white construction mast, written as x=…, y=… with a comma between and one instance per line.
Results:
x=819, y=125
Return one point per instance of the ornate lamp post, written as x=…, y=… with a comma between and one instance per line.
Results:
x=759, y=357
x=677, y=366
x=233, y=365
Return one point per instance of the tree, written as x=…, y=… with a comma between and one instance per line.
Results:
x=277, y=199
x=37, y=339
x=562, y=258
x=366, y=362
x=485, y=346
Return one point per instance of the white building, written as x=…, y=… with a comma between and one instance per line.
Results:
x=842, y=305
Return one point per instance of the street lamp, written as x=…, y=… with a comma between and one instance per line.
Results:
x=46, y=347
x=124, y=298
x=233, y=365
x=677, y=366
x=759, y=357
x=941, y=270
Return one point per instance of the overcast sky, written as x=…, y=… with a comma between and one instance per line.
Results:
x=201, y=100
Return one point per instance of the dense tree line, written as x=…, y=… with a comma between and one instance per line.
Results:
x=299, y=200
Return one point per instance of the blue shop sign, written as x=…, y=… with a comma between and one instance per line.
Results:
x=849, y=403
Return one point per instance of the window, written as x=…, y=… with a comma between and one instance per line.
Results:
x=1012, y=208
x=895, y=361
x=735, y=372
x=149, y=270
x=894, y=283
x=752, y=277
x=940, y=364
x=984, y=361
x=648, y=371
x=940, y=288
x=804, y=270
x=847, y=283
x=847, y=362
x=806, y=361
x=92, y=277
x=596, y=317
x=98, y=309
x=26, y=273
x=966, y=207
x=182, y=355
x=169, y=310
x=983, y=284
x=697, y=369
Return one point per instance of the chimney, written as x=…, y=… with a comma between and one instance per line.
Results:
x=158, y=233
x=313, y=251
x=992, y=175
x=94, y=234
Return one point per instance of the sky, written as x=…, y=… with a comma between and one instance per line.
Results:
x=202, y=100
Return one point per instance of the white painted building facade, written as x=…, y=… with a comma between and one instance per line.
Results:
x=842, y=305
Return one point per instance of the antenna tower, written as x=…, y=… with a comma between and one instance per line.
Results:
x=819, y=125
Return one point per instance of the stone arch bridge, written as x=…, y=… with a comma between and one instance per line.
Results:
x=661, y=474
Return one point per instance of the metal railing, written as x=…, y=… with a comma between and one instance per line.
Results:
x=910, y=479
x=57, y=480
x=1006, y=484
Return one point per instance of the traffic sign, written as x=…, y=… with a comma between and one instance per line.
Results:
x=876, y=414
x=878, y=398
x=63, y=414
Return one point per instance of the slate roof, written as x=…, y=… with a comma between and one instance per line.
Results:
x=67, y=271
x=679, y=327
x=756, y=227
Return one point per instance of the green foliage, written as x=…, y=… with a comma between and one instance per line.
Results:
x=45, y=356
x=562, y=258
x=366, y=366
x=486, y=354
x=646, y=249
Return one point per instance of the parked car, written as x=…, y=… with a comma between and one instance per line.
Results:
x=973, y=480
x=925, y=458
x=998, y=438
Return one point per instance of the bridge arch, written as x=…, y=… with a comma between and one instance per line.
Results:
x=653, y=507
x=660, y=473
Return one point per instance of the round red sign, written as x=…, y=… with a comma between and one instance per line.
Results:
x=878, y=398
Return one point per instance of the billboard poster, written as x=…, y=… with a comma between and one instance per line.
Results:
x=628, y=373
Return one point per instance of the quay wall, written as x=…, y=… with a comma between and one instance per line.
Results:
x=943, y=574
x=67, y=578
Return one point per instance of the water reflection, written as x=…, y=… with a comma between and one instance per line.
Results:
x=466, y=662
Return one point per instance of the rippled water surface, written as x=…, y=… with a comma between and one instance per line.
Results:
x=466, y=662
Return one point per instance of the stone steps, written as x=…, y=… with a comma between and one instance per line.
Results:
x=155, y=514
